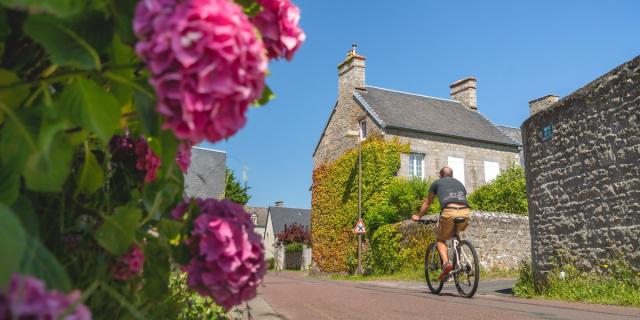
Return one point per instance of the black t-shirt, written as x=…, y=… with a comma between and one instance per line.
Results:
x=449, y=190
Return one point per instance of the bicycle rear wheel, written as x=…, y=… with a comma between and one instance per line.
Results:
x=432, y=269
x=468, y=276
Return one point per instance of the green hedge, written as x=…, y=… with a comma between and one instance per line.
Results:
x=293, y=247
x=507, y=193
x=399, y=246
x=334, y=202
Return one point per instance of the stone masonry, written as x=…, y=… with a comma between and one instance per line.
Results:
x=502, y=240
x=582, y=159
x=436, y=149
x=346, y=114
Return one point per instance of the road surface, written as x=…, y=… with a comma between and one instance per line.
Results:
x=291, y=295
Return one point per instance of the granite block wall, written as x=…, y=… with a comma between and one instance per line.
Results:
x=582, y=159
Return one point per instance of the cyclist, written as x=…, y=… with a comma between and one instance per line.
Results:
x=453, y=198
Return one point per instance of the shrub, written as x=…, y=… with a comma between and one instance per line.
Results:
x=185, y=304
x=294, y=233
x=379, y=216
x=293, y=247
x=507, y=193
x=407, y=196
x=399, y=246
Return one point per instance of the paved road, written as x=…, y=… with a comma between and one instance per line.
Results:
x=294, y=296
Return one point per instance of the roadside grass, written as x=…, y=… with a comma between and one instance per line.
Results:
x=417, y=274
x=617, y=285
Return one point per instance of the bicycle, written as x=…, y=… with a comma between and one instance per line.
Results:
x=466, y=266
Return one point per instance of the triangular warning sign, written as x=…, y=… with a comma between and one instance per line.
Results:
x=360, y=228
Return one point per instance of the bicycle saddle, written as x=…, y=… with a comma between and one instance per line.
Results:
x=459, y=219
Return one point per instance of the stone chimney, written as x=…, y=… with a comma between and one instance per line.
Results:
x=543, y=103
x=351, y=73
x=279, y=203
x=464, y=91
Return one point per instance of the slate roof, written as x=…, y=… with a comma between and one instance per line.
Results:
x=262, y=215
x=281, y=216
x=513, y=133
x=206, y=175
x=394, y=109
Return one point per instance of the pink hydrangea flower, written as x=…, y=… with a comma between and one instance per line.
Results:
x=227, y=257
x=207, y=64
x=147, y=160
x=278, y=23
x=183, y=157
x=129, y=265
x=27, y=298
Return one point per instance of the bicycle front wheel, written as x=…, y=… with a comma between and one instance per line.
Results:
x=468, y=276
x=432, y=269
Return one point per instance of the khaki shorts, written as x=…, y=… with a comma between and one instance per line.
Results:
x=445, y=223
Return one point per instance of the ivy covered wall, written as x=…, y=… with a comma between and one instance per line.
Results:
x=334, y=202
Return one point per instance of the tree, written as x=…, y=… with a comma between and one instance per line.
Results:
x=294, y=233
x=234, y=191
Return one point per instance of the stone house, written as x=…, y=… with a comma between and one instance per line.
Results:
x=277, y=218
x=439, y=131
x=259, y=219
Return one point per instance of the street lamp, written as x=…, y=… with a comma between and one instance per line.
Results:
x=357, y=134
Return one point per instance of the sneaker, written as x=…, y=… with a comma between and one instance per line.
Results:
x=446, y=268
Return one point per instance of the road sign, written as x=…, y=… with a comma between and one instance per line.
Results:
x=360, y=228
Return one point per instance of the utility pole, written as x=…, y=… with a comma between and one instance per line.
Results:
x=359, y=201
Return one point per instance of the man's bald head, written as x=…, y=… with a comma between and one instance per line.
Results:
x=446, y=172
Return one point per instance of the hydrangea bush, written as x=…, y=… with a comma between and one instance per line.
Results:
x=100, y=104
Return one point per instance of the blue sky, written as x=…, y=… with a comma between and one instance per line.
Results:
x=518, y=52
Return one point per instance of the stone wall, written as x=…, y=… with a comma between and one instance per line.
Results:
x=583, y=174
x=502, y=240
x=207, y=173
x=436, y=149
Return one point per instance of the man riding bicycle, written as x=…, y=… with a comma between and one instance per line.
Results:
x=452, y=196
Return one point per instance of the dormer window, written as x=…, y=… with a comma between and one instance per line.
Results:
x=363, y=129
x=254, y=219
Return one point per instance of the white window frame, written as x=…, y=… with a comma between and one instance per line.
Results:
x=362, y=125
x=457, y=165
x=254, y=219
x=416, y=160
x=491, y=170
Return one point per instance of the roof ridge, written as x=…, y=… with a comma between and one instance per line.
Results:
x=497, y=127
x=209, y=149
x=414, y=94
x=502, y=125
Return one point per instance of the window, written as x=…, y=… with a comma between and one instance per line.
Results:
x=491, y=170
x=254, y=219
x=363, y=129
x=416, y=164
x=457, y=165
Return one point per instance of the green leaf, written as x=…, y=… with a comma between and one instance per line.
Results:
x=48, y=168
x=91, y=175
x=156, y=270
x=39, y=262
x=12, y=244
x=95, y=28
x=17, y=138
x=91, y=107
x=118, y=230
x=9, y=186
x=169, y=229
x=57, y=7
x=12, y=97
x=146, y=108
x=267, y=95
x=158, y=197
x=24, y=210
x=63, y=45
x=123, y=12
x=250, y=7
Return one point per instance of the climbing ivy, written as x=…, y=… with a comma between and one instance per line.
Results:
x=334, y=203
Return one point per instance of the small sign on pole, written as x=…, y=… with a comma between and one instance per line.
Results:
x=360, y=228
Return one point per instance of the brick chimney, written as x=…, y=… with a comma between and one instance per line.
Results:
x=279, y=203
x=351, y=73
x=543, y=103
x=464, y=91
